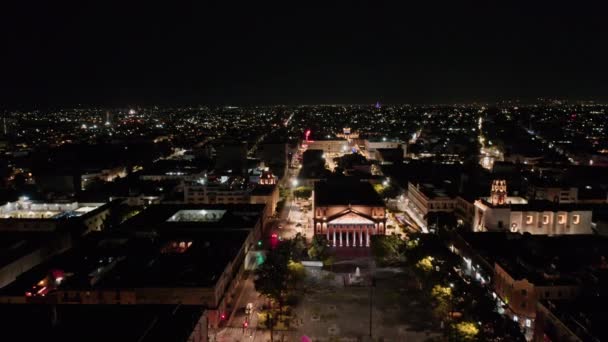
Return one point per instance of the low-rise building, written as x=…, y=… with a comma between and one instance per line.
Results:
x=567, y=321
x=500, y=212
x=166, y=255
x=27, y=215
x=232, y=190
x=526, y=269
x=430, y=198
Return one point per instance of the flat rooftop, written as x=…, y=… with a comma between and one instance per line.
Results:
x=14, y=245
x=26, y=209
x=521, y=204
x=120, y=261
x=97, y=323
x=587, y=317
x=195, y=217
x=346, y=192
x=541, y=259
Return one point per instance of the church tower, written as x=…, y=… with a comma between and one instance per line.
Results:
x=499, y=192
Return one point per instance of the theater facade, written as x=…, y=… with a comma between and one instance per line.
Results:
x=348, y=212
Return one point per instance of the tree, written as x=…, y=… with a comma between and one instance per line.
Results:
x=296, y=273
x=387, y=248
x=318, y=248
x=271, y=277
x=466, y=331
x=303, y=192
x=442, y=297
x=425, y=264
x=299, y=246
x=280, y=206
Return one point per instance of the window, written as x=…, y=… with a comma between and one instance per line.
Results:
x=513, y=227
x=576, y=219
x=529, y=219
x=524, y=292
x=561, y=219
x=545, y=219
x=528, y=323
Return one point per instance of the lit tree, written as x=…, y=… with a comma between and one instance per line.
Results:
x=425, y=264
x=318, y=248
x=296, y=272
x=442, y=296
x=466, y=331
x=303, y=192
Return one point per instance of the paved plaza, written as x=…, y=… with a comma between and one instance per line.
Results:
x=331, y=311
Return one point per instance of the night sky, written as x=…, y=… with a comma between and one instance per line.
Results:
x=292, y=52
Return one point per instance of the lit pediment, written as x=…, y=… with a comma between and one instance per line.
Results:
x=351, y=218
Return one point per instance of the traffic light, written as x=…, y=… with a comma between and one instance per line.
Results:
x=259, y=243
x=223, y=316
x=245, y=324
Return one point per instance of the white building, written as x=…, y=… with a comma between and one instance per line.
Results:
x=328, y=146
x=26, y=215
x=500, y=212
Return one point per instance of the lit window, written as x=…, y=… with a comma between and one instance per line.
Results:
x=576, y=219
x=545, y=219
x=515, y=318
x=561, y=219
x=529, y=219
x=528, y=323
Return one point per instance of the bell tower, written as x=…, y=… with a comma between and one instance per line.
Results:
x=498, y=195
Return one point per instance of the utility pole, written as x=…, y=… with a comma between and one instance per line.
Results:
x=371, y=286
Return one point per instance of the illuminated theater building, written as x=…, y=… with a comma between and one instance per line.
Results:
x=348, y=213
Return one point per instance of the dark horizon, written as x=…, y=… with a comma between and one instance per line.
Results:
x=347, y=52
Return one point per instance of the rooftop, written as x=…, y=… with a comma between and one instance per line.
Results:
x=27, y=209
x=195, y=217
x=346, y=192
x=144, y=323
x=171, y=259
x=586, y=317
x=541, y=259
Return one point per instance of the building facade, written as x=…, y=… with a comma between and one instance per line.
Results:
x=348, y=220
x=500, y=212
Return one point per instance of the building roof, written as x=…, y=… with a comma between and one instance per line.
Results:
x=14, y=245
x=586, y=317
x=346, y=192
x=263, y=190
x=122, y=261
x=544, y=205
x=541, y=259
x=144, y=323
x=158, y=218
